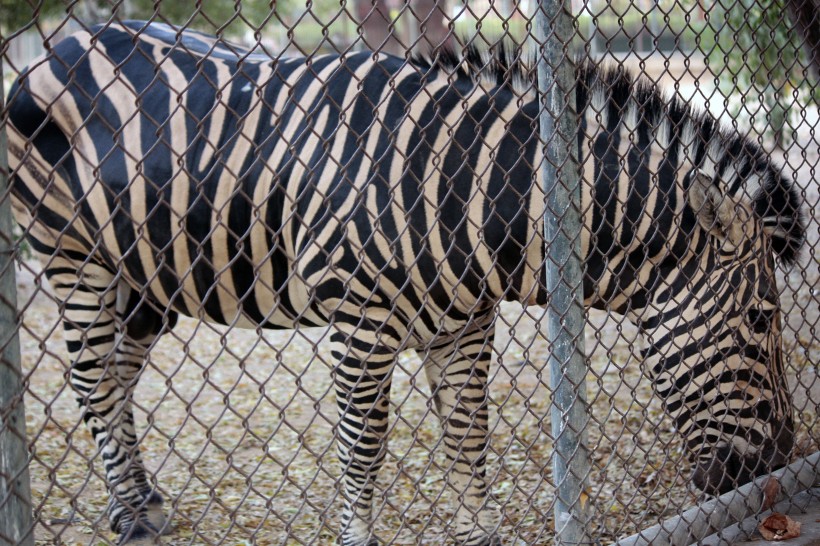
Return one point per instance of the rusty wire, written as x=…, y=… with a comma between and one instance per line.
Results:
x=239, y=425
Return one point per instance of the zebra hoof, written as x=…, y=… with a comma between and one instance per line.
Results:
x=140, y=534
x=156, y=517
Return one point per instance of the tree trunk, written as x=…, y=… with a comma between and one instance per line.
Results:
x=431, y=20
x=375, y=21
x=805, y=15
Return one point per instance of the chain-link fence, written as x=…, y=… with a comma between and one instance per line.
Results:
x=188, y=190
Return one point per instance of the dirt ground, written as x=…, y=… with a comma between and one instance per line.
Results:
x=238, y=426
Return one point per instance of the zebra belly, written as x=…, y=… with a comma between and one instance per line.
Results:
x=201, y=279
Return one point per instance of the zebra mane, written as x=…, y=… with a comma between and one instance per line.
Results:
x=720, y=152
x=503, y=64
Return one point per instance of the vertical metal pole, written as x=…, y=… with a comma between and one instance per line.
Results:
x=562, y=228
x=16, y=526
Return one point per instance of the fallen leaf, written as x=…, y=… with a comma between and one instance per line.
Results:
x=648, y=480
x=584, y=499
x=779, y=527
x=771, y=491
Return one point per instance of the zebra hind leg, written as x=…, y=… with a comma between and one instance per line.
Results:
x=104, y=369
x=458, y=371
x=139, y=326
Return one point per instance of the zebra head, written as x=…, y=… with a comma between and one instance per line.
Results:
x=713, y=326
x=685, y=220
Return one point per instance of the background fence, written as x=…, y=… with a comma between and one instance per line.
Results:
x=239, y=425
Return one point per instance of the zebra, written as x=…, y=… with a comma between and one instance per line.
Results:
x=158, y=171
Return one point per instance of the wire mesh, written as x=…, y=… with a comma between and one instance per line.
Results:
x=228, y=170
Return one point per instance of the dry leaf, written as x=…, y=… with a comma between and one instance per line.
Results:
x=771, y=491
x=648, y=479
x=779, y=527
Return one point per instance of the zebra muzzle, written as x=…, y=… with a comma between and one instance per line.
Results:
x=728, y=469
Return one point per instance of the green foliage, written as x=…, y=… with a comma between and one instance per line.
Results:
x=306, y=24
x=16, y=14
x=758, y=56
x=215, y=16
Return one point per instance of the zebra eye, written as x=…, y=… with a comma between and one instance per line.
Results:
x=760, y=320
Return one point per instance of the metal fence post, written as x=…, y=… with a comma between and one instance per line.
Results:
x=562, y=228
x=16, y=526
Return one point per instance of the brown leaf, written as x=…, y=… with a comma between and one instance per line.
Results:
x=771, y=491
x=648, y=479
x=779, y=527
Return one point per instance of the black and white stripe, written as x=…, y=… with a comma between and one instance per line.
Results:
x=159, y=172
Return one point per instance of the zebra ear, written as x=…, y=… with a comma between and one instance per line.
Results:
x=716, y=212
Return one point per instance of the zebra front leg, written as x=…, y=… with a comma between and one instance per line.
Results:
x=89, y=299
x=458, y=374
x=362, y=379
